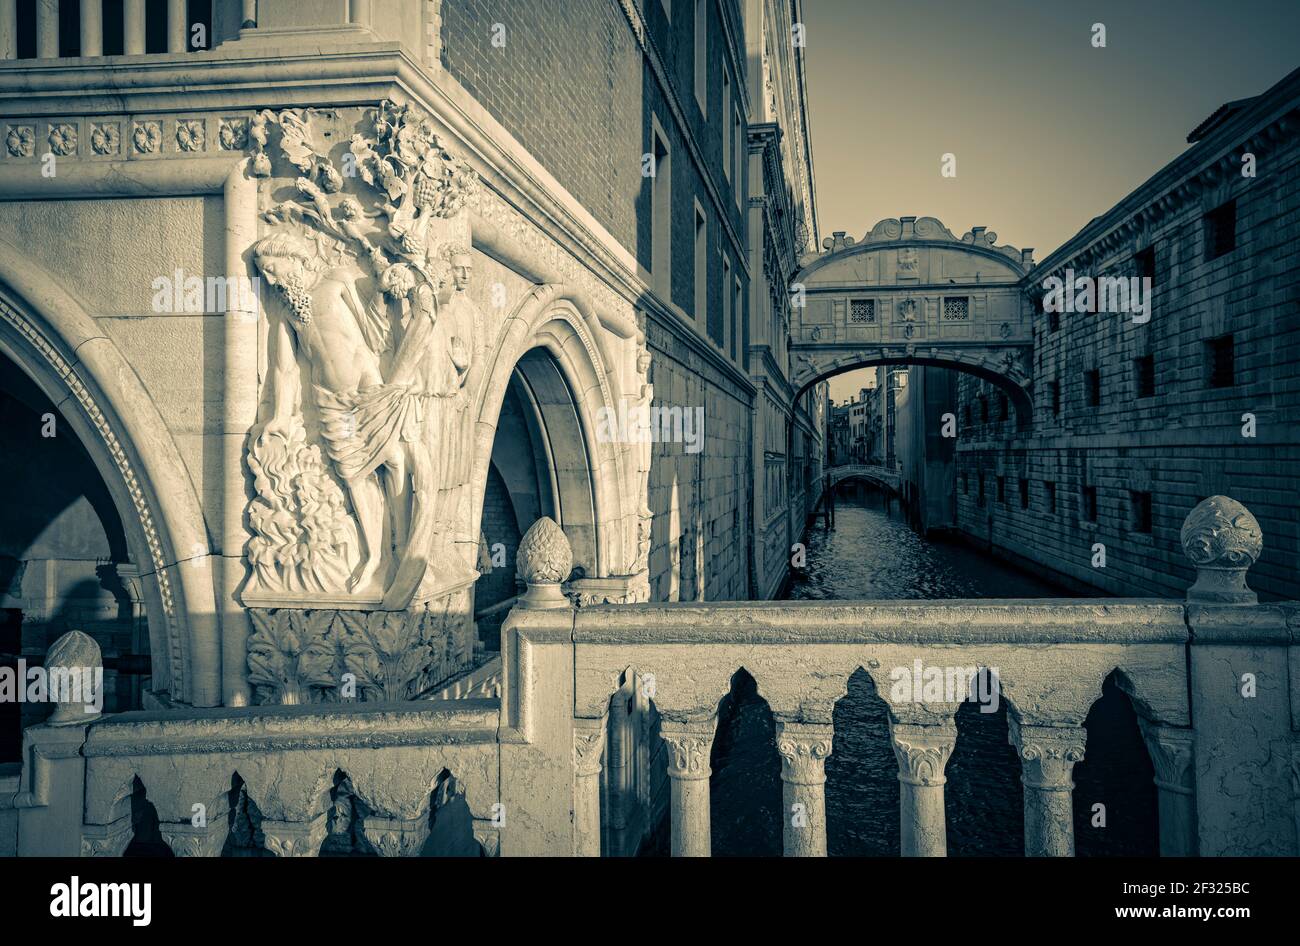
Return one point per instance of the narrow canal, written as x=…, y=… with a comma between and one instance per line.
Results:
x=872, y=553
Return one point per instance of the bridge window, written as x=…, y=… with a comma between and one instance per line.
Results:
x=1090, y=503
x=956, y=309
x=1050, y=489
x=1219, y=362
x=1092, y=386
x=1140, y=503
x=1144, y=375
x=1221, y=230
x=1024, y=493
x=862, y=311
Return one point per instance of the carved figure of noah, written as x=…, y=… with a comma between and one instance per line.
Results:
x=330, y=326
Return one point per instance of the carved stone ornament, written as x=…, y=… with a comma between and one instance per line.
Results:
x=688, y=754
x=78, y=657
x=104, y=138
x=147, y=137
x=20, y=141
x=543, y=561
x=1048, y=753
x=804, y=750
x=364, y=461
x=922, y=752
x=63, y=139
x=1223, y=540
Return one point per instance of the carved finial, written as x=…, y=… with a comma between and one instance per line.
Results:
x=77, y=688
x=544, y=560
x=1223, y=540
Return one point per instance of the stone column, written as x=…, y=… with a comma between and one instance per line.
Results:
x=922, y=753
x=92, y=27
x=1171, y=755
x=588, y=744
x=804, y=748
x=689, y=745
x=8, y=29
x=47, y=29
x=1047, y=758
x=133, y=27
x=176, y=26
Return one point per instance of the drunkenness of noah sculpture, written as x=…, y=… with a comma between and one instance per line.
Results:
x=371, y=351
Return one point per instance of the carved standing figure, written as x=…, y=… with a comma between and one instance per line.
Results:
x=324, y=323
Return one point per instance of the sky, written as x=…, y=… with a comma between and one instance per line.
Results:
x=1047, y=130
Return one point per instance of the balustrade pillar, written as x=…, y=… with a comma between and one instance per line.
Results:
x=176, y=26
x=1171, y=755
x=1047, y=758
x=133, y=27
x=689, y=747
x=804, y=748
x=8, y=29
x=588, y=744
x=922, y=752
x=92, y=27
x=47, y=29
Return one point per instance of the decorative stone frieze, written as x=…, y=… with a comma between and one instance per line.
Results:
x=63, y=139
x=20, y=141
x=190, y=135
x=1223, y=540
x=295, y=838
x=147, y=137
x=107, y=840
x=105, y=138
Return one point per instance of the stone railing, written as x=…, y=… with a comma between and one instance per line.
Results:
x=90, y=23
x=565, y=759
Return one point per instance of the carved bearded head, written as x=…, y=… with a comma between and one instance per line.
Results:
x=292, y=263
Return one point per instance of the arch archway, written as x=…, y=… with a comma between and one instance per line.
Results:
x=536, y=437
x=65, y=355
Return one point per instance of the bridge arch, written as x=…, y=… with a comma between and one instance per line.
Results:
x=913, y=293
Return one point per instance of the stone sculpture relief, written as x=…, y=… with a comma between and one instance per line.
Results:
x=367, y=447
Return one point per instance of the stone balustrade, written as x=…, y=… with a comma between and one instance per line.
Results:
x=558, y=762
x=91, y=28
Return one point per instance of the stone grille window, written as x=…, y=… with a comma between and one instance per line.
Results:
x=1221, y=230
x=1144, y=372
x=1219, y=362
x=956, y=310
x=862, y=311
x=1092, y=387
x=1141, y=506
x=1090, y=503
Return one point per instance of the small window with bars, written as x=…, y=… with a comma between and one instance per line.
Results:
x=1092, y=387
x=1002, y=489
x=1054, y=394
x=1144, y=375
x=1221, y=230
x=1140, y=503
x=862, y=311
x=1090, y=503
x=1024, y=493
x=1050, y=489
x=1219, y=362
x=956, y=309
x=1145, y=262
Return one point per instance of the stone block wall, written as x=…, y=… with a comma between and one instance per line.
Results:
x=1190, y=438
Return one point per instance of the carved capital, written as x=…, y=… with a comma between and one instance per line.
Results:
x=804, y=748
x=188, y=840
x=1223, y=540
x=107, y=840
x=689, y=747
x=588, y=746
x=488, y=834
x=922, y=751
x=397, y=837
x=295, y=838
x=1171, y=752
x=1048, y=754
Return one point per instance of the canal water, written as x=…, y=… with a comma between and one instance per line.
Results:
x=872, y=553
